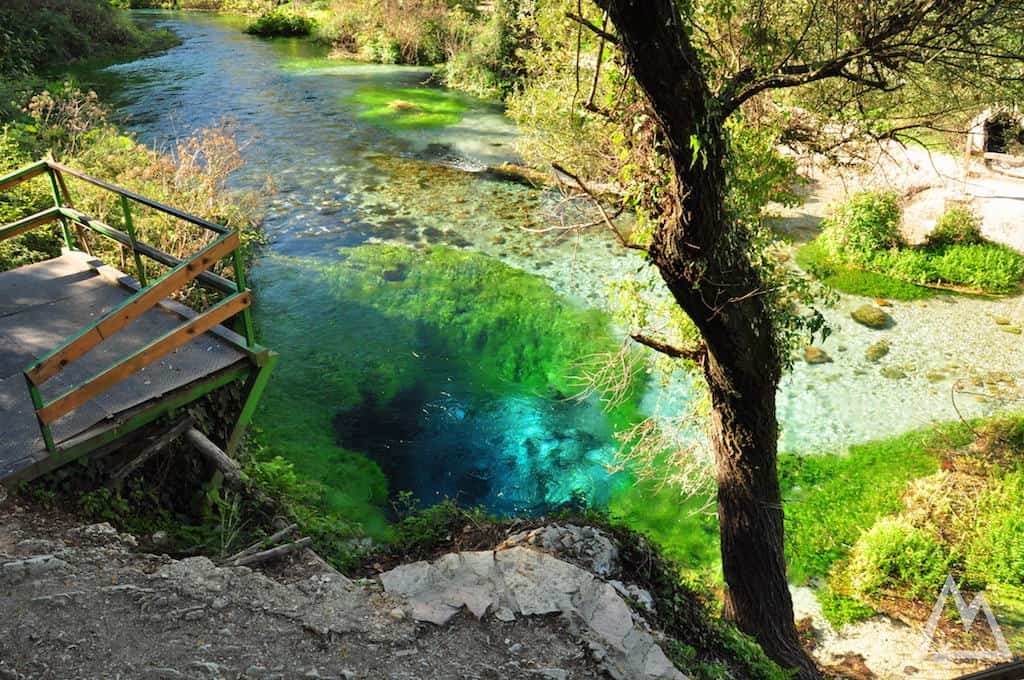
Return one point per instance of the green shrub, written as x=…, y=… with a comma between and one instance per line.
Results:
x=956, y=227
x=864, y=235
x=894, y=555
x=840, y=610
x=281, y=22
x=988, y=267
x=991, y=267
x=996, y=552
x=867, y=223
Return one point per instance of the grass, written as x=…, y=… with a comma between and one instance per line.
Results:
x=409, y=108
x=832, y=499
x=856, y=281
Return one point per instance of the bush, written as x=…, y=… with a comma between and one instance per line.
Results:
x=281, y=22
x=989, y=267
x=894, y=555
x=997, y=550
x=864, y=225
x=864, y=234
x=840, y=610
x=956, y=227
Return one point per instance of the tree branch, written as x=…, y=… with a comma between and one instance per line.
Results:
x=594, y=28
x=694, y=354
x=625, y=242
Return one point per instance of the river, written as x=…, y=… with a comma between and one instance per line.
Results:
x=393, y=285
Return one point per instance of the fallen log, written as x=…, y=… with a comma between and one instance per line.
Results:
x=213, y=453
x=273, y=553
x=271, y=540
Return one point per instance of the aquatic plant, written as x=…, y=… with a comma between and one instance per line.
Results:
x=409, y=108
x=402, y=334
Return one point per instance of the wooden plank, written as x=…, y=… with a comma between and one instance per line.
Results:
x=132, y=308
x=208, y=279
x=119, y=278
x=28, y=223
x=106, y=433
x=15, y=178
x=158, y=348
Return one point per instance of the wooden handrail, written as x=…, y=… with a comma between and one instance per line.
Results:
x=207, y=278
x=155, y=350
x=132, y=308
x=28, y=223
x=15, y=178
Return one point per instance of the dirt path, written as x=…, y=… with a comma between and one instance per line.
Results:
x=97, y=608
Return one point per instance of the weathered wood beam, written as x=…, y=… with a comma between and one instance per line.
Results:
x=129, y=310
x=213, y=453
x=160, y=347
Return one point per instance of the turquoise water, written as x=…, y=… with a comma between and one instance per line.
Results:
x=446, y=402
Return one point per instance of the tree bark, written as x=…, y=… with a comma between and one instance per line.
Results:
x=702, y=257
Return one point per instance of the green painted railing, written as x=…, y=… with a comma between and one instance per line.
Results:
x=196, y=268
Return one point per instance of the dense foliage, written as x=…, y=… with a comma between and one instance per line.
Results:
x=281, y=22
x=864, y=233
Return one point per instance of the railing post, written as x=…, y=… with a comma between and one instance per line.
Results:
x=250, y=331
x=55, y=188
x=37, y=404
x=129, y=226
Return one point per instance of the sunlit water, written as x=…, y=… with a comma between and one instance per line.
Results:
x=339, y=181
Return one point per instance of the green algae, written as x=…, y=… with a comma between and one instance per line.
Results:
x=316, y=64
x=386, y=322
x=409, y=108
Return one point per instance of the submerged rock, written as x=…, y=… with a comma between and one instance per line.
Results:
x=876, y=351
x=816, y=355
x=893, y=373
x=872, y=317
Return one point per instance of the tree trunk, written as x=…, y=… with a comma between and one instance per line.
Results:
x=702, y=256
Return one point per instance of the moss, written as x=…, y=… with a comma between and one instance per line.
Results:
x=832, y=499
x=410, y=108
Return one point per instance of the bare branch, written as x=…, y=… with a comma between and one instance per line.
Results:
x=594, y=28
x=622, y=238
x=694, y=354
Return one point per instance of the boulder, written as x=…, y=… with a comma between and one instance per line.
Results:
x=520, y=581
x=872, y=317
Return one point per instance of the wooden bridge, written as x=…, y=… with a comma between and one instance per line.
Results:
x=89, y=354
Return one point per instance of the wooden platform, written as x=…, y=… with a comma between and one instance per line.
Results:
x=43, y=304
